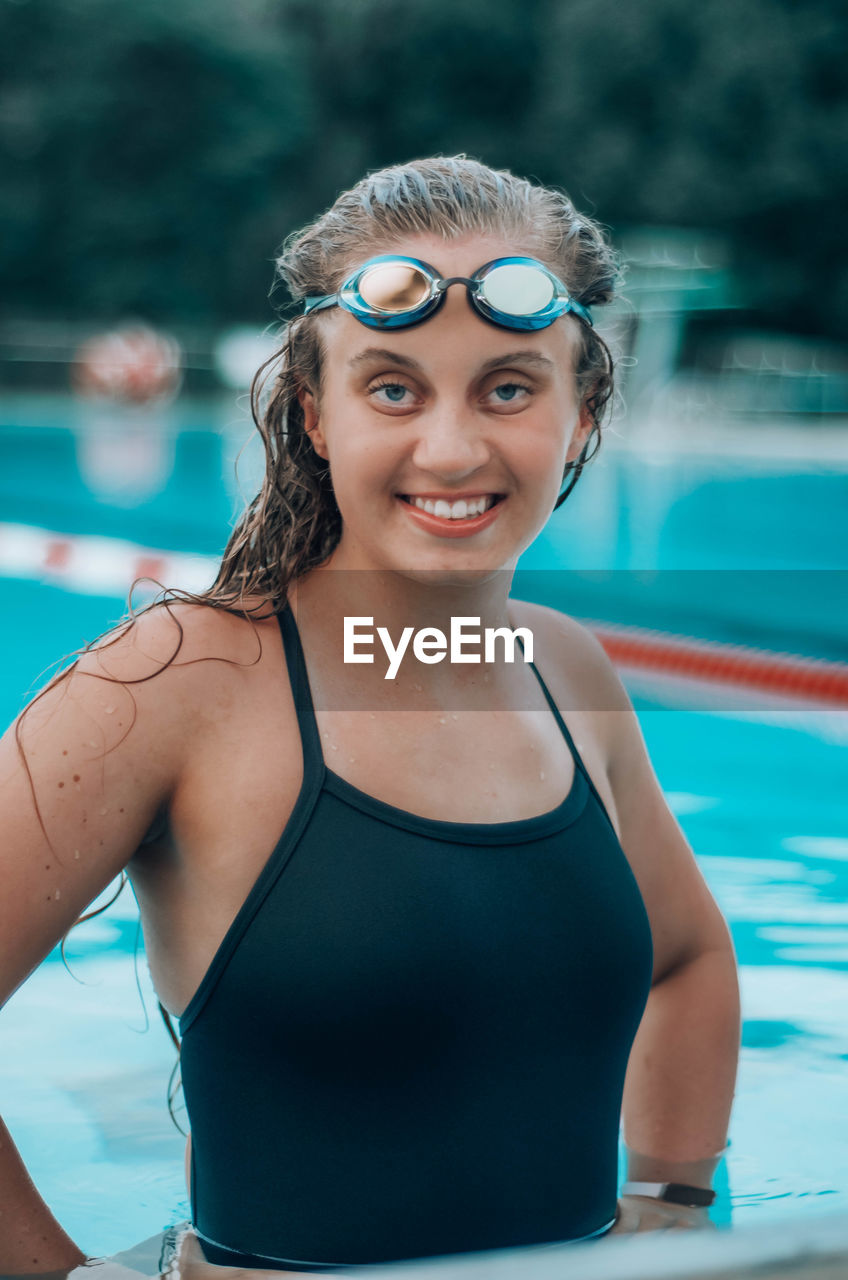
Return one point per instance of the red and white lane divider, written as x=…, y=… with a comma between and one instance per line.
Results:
x=98, y=566
x=108, y=566
x=760, y=671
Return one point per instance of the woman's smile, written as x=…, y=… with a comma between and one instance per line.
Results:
x=452, y=517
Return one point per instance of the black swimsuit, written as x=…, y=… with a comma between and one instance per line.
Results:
x=412, y=1040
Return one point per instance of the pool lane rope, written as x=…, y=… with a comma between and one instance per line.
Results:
x=108, y=566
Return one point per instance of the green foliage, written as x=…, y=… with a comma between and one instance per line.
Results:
x=153, y=154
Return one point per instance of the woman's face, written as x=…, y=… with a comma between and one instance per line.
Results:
x=454, y=409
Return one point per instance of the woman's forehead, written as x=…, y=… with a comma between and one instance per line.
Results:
x=454, y=342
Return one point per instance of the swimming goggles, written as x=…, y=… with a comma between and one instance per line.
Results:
x=395, y=292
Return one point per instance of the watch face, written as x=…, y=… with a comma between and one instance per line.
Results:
x=695, y=1197
x=671, y=1192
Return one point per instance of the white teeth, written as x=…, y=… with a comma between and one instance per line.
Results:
x=462, y=509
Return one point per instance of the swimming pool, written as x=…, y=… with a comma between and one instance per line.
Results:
x=759, y=797
x=759, y=794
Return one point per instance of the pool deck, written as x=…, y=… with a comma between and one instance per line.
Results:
x=815, y=1249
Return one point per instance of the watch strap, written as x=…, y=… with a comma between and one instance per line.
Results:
x=671, y=1192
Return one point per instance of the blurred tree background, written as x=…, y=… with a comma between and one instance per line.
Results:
x=156, y=152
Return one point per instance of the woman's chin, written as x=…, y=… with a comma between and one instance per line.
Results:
x=452, y=576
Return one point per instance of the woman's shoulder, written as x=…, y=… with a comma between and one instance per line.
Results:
x=97, y=755
x=177, y=634
x=571, y=649
x=146, y=686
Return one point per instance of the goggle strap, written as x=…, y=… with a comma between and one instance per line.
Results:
x=581, y=311
x=318, y=303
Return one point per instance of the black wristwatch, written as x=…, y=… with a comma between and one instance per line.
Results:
x=671, y=1192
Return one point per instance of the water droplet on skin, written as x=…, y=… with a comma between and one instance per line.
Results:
x=442, y=720
x=58, y=894
x=417, y=688
x=92, y=744
x=351, y=759
x=454, y=716
x=373, y=716
x=109, y=710
x=103, y=812
x=491, y=766
x=76, y=853
x=334, y=747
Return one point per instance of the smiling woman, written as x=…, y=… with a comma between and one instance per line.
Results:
x=414, y=989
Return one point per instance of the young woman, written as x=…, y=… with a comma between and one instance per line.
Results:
x=425, y=932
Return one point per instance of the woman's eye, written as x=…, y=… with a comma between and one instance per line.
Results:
x=394, y=392
x=514, y=391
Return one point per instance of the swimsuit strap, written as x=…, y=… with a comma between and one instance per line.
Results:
x=313, y=756
x=554, y=708
x=578, y=759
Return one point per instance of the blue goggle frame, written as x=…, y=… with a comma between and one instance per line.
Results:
x=350, y=298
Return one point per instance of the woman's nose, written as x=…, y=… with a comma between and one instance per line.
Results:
x=451, y=444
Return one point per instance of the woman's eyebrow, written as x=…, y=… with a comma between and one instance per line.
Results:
x=382, y=353
x=532, y=358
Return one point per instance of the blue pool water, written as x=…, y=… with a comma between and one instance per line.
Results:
x=759, y=794
x=761, y=800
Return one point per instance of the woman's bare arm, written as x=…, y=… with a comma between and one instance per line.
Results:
x=682, y=1070
x=681, y=1074
x=99, y=758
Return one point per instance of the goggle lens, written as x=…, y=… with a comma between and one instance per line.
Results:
x=517, y=290
x=394, y=287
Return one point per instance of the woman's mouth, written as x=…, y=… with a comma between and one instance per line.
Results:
x=452, y=518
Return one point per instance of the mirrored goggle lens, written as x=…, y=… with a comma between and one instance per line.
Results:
x=393, y=287
x=517, y=290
